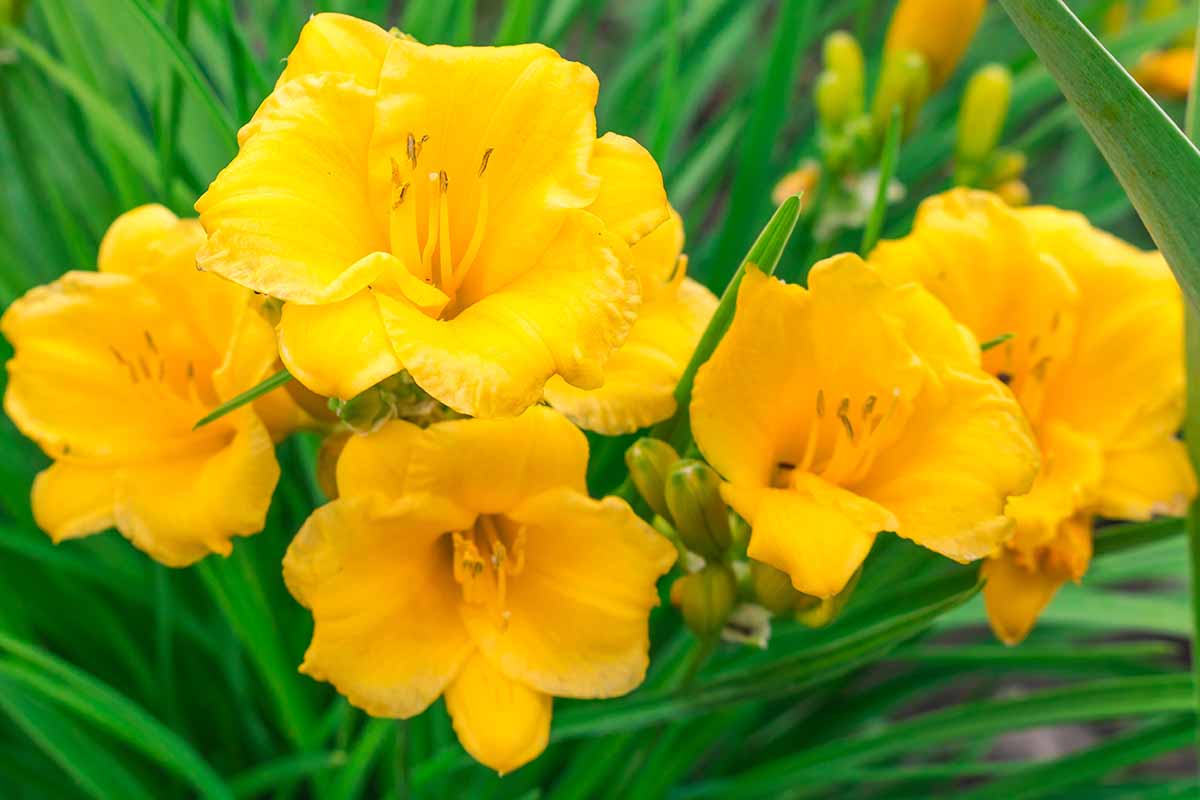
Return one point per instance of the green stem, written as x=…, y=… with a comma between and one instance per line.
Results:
x=887, y=168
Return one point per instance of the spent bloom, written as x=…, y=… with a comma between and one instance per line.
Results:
x=443, y=210
x=1092, y=338
x=112, y=369
x=466, y=559
x=850, y=408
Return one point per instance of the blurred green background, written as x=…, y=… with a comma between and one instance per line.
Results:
x=123, y=679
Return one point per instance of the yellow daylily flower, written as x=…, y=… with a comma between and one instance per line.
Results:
x=1167, y=72
x=1094, y=356
x=640, y=378
x=852, y=407
x=938, y=30
x=111, y=371
x=466, y=559
x=431, y=209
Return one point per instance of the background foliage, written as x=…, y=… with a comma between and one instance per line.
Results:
x=123, y=679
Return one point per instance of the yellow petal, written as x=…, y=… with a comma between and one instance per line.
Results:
x=945, y=496
x=577, y=624
x=132, y=236
x=1015, y=596
x=1070, y=476
x=72, y=500
x=338, y=43
x=816, y=532
x=563, y=316
x=289, y=216
x=632, y=201
x=658, y=258
x=178, y=510
x=529, y=107
x=640, y=378
x=502, y=723
x=511, y=460
x=1138, y=483
x=1123, y=381
x=384, y=602
x=337, y=349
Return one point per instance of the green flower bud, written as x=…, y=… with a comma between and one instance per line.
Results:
x=773, y=588
x=649, y=461
x=706, y=598
x=833, y=101
x=368, y=411
x=905, y=82
x=844, y=58
x=693, y=495
x=981, y=115
x=1006, y=165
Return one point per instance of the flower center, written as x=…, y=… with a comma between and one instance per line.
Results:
x=162, y=380
x=843, y=439
x=423, y=196
x=1023, y=363
x=485, y=557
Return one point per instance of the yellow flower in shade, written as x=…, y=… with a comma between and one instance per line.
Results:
x=431, y=208
x=1167, y=72
x=1094, y=356
x=111, y=372
x=849, y=408
x=938, y=30
x=640, y=378
x=466, y=559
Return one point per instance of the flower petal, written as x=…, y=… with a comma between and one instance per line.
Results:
x=632, y=200
x=577, y=624
x=180, y=509
x=72, y=500
x=384, y=602
x=132, y=236
x=945, y=496
x=1139, y=483
x=640, y=378
x=502, y=723
x=1070, y=476
x=510, y=460
x=337, y=349
x=289, y=216
x=338, y=43
x=564, y=316
x=532, y=109
x=1015, y=596
x=816, y=532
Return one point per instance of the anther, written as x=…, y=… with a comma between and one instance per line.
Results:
x=443, y=181
x=400, y=197
x=843, y=414
x=150, y=342
x=487, y=155
x=396, y=168
x=820, y=402
x=868, y=406
x=410, y=149
x=117, y=355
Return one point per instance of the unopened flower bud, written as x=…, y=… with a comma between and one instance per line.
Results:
x=833, y=101
x=981, y=117
x=1015, y=193
x=367, y=412
x=693, y=495
x=649, y=461
x=817, y=612
x=1115, y=18
x=904, y=83
x=773, y=588
x=939, y=30
x=706, y=598
x=1006, y=165
x=844, y=58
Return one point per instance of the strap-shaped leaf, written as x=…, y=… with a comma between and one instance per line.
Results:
x=1155, y=163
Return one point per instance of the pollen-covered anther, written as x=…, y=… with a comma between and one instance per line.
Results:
x=485, y=557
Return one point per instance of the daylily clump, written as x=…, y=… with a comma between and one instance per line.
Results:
x=466, y=559
x=1090, y=340
x=850, y=408
x=447, y=211
x=112, y=369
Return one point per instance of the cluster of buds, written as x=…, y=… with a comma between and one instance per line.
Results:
x=978, y=162
x=397, y=397
x=723, y=592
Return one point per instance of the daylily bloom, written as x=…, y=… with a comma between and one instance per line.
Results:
x=938, y=30
x=1093, y=333
x=640, y=378
x=466, y=559
x=114, y=368
x=850, y=408
x=432, y=209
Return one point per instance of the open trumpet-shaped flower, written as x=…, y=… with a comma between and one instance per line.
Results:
x=850, y=408
x=640, y=378
x=112, y=370
x=467, y=559
x=426, y=208
x=1093, y=354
